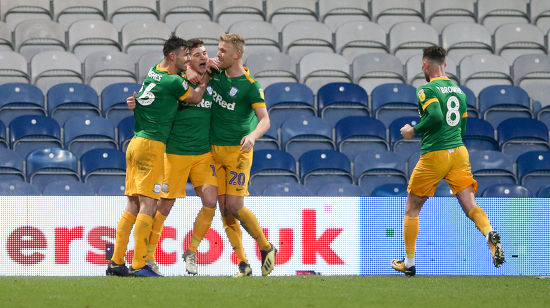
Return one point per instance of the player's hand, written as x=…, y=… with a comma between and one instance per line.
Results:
x=131, y=101
x=407, y=131
x=212, y=63
x=193, y=76
x=247, y=143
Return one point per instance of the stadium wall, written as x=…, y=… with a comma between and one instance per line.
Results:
x=66, y=236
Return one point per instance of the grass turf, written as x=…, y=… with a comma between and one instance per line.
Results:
x=298, y=291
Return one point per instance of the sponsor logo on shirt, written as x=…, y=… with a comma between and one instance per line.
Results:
x=218, y=99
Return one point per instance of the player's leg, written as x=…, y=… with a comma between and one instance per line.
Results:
x=163, y=209
x=117, y=266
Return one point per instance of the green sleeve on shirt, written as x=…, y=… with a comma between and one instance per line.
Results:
x=432, y=122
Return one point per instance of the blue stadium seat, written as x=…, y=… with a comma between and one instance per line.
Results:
x=286, y=99
x=253, y=191
x=443, y=190
x=356, y=134
x=20, y=99
x=400, y=145
x=269, y=141
x=321, y=167
x=544, y=192
x=113, y=187
x=391, y=101
x=471, y=100
x=11, y=165
x=17, y=188
x=506, y=191
x=82, y=134
x=3, y=139
x=303, y=133
x=492, y=167
x=287, y=190
x=500, y=102
x=271, y=167
x=100, y=165
x=67, y=100
x=390, y=190
x=67, y=188
x=51, y=164
x=534, y=169
x=340, y=190
x=113, y=100
x=125, y=132
x=31, y=132
x=518, y=135
x=338, y=100
x=373, y=168
x=480, y=135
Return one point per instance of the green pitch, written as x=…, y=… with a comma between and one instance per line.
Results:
x=299, y=291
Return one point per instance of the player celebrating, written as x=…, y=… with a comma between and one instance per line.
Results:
x=442, y=107
x=154, y=114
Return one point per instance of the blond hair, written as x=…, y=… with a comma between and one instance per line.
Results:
x=235, y=39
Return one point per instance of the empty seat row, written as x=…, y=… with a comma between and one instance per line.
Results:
x=61, y=188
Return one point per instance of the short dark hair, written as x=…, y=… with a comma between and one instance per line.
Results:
x=194, y=43
x=435, y=54
x=172, y=44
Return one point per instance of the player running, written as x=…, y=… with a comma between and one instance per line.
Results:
x=442, y=107
x=154, y=114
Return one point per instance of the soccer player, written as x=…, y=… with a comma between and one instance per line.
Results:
x=154, y=114
x=442, y=107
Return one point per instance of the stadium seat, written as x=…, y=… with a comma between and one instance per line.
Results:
x=146, y=62
x=107, y=67
x=13, y=67
x=17, y=188
x=122, y=12
x=49, y=68
x=443, y=190
x=19, y=99
x=300, y=134
x=340, y=190
x=112, y=188
x=51, y=164
x=67, y=188
x=498, y=103
x=391, y=101
x=271, y=167
x=534, y=169
x=31, y=132
x=516, y=39
x=400, y=145
x=544, y=192
x=14, y=11
x=358, y=37
x=67, y=100
x=518, y=135
x=113, y=101
x=336, y=13
x=88, y=36
x=480, y=135
x=3, y=136
x=81, y=134
x=11, y=166
x=493, y=13
x=338, y=100
x=272, y=67
x=227, y=12
x=464, y=39
x=287, y=190
x=416, y=77
x=440, y=13
x=69, y=12
x=282, y=12
x=172, y=12
x=322, y=167
x=390, y=12
x=372, y=70
x=480, y=71
x=207, y=31
x=532, y=73
x=506, y=191
x=269, y=141
x=409, y=38
x=142, y=36
x=473, y=109
x=300, y=38
x=6, y=43
x=390, y=190
x=320, y=68
x=286, y=99
x=492, y=167
x=540, y=14
x=38, y=35
x=355, y=134
x=125, y=132
x=260, y=36
x=373, y=168
x=100, y=165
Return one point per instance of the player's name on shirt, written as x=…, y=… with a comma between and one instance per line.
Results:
x=153, y=75
x=445, y=90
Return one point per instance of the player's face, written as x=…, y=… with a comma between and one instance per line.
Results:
x=198, y=59
x=227, y=54
x=182, y=57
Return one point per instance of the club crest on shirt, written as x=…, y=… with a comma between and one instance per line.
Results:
x=209, y=90
x=421, y=95
x=233, y=91
x=184, y=85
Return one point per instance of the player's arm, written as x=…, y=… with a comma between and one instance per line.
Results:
x=194, y=96
x=432, y=122
x=247, y=142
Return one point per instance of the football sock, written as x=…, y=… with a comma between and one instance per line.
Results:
x=123, y=229
x=144, y=225
x=201, y=226
x=233, y=231
x=251, y=225
x=156, y=231
x=481, y=220
x=410, y=233
x=409, y=262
